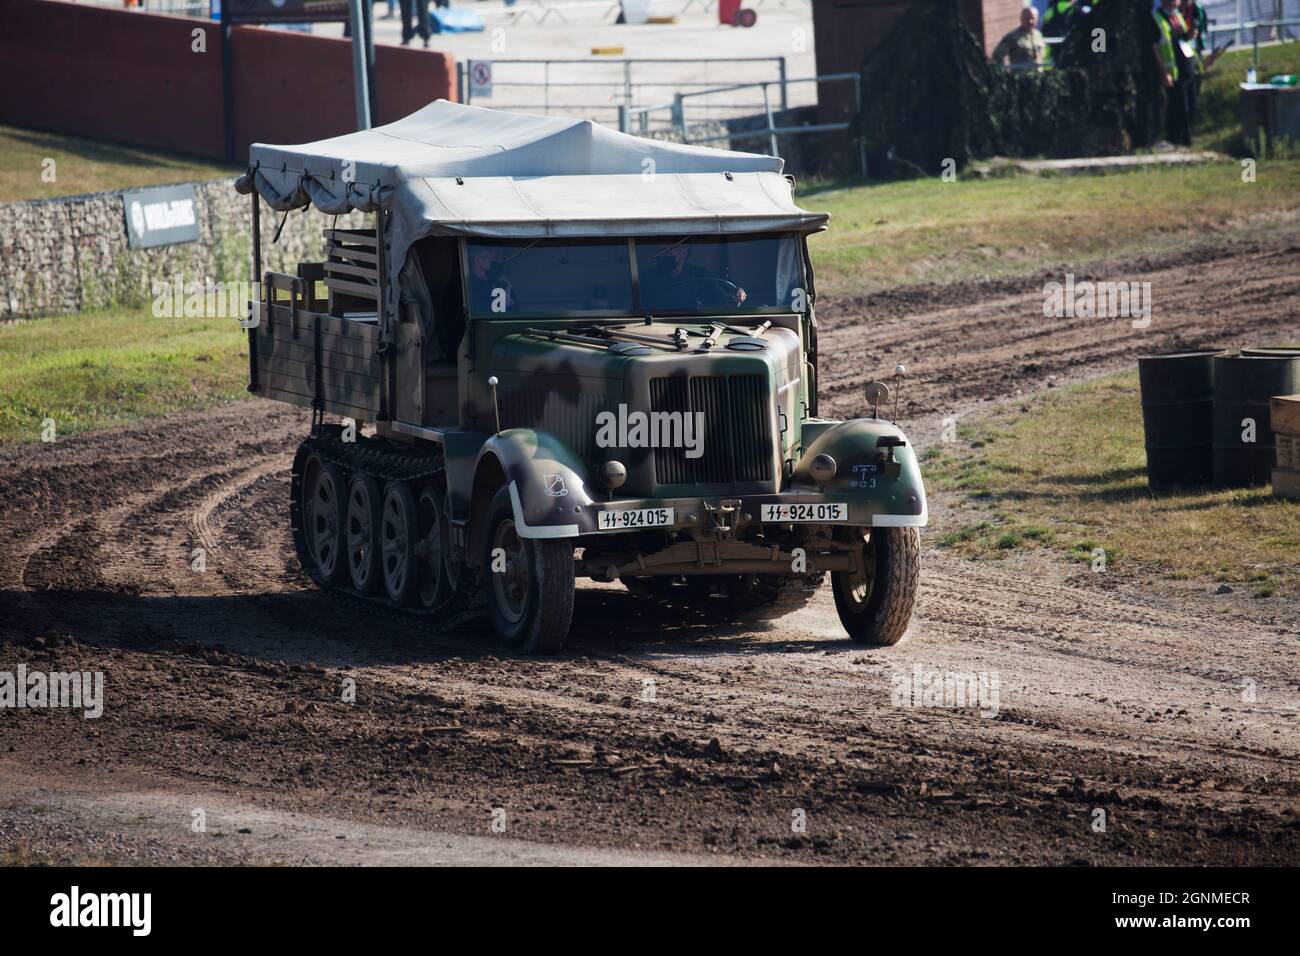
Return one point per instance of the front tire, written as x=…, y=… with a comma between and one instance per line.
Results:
x=530, y=583
x=875, y=603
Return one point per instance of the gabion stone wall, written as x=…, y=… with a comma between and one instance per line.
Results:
x=70, y=254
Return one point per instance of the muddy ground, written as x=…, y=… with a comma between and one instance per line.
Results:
x=1117, y=693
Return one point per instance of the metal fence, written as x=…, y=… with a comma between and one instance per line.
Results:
x=598, y=88
x=691, y=129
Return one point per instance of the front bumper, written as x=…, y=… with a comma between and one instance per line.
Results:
x=904, y=508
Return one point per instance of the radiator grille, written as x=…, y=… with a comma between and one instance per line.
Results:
x=569, y=416
x=737, y=429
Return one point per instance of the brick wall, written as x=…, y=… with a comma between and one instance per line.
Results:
x=155, y=81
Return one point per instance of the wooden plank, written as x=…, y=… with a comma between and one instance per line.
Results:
x=342, y=268
x=364, y=237
x=333, y=408
x=360, y=255
x=302, y=351
x=345, y=391
x=1284, y=414
x=353, y=288
x=295, y=370
x=337, y=333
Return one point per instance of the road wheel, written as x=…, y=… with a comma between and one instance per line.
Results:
x=431, y=551
x=322, y=517
x=399, y=532
x=362, y=534
x=530, y=583
x=875, y=604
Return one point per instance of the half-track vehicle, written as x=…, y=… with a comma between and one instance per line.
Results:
x=563, y=352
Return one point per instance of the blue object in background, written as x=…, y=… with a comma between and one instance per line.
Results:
x=455, y=20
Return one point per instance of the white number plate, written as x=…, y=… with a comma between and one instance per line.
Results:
x=629, y=518
x=816, y=512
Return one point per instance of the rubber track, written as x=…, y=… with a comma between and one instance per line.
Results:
x=386, y=464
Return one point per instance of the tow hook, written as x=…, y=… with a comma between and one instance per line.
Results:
x=724, y=515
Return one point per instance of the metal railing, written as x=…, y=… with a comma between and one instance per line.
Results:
x=565, y=85
x=642, y=117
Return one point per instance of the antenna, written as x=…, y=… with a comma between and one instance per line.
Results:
x=492, y=384
x=899, y=371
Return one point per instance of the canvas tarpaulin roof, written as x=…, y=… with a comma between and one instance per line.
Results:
x=453, y=169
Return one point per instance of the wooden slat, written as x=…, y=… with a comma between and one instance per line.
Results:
x=332, y=326
x=353, y=288
x=358, y=237
x=360, y=255
x=343, y=268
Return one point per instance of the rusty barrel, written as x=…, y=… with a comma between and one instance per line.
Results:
x=1177, y=417
x=1243, y=385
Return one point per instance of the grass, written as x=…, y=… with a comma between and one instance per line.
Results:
x=87, y=166
x=928, y=230
x=104, y=368
x=1219, y=126
x=1068, y=474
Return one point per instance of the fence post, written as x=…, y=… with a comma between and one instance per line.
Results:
x=622, y=118
x=785, y=96
x=771, y=126
x=679, y=115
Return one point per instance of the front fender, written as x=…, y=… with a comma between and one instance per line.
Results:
x=859, y=472
x=549, y=484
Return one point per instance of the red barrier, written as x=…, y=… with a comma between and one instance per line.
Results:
x=151, y=80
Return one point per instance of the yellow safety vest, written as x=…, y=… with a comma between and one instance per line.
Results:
x=1167, y=45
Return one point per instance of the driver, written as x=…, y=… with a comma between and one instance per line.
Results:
x=689, y=285
x=486, y=266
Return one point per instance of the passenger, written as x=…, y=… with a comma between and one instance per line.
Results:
x=1022, y=48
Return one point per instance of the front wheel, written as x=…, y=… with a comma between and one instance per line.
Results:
x=875, y=602
x=530, y=583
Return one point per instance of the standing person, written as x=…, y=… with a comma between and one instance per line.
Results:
x=1198, y=26
x=1022, y=48
x=392, y=10
x=420, y=8
x=1057, y=19
x=1167, y=29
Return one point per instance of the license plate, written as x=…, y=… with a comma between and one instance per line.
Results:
x=628, y=518
x=816, y=512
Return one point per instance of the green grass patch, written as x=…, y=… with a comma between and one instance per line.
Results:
x=104, y=368
x=1219, y=126
x=889, y=234
x=1069, y=474
x=88, y=166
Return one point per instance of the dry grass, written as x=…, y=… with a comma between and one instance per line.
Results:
x=1069, y=475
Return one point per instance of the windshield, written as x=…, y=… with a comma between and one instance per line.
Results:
x=719, y=274
x=673, y=276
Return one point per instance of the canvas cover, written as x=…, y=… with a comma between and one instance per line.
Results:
x=466, y=170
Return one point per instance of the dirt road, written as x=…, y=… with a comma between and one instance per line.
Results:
x=1119, y=732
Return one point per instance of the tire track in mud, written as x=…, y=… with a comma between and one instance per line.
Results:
x=231, y=679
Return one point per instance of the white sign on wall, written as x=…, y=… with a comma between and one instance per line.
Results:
x=480, y=78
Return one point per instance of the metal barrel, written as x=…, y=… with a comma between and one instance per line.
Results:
x=1177, y=405
x=1243, y=385
x=1272, y=351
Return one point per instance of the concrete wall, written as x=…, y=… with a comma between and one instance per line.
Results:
x=70, y=254
x=153, y=81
